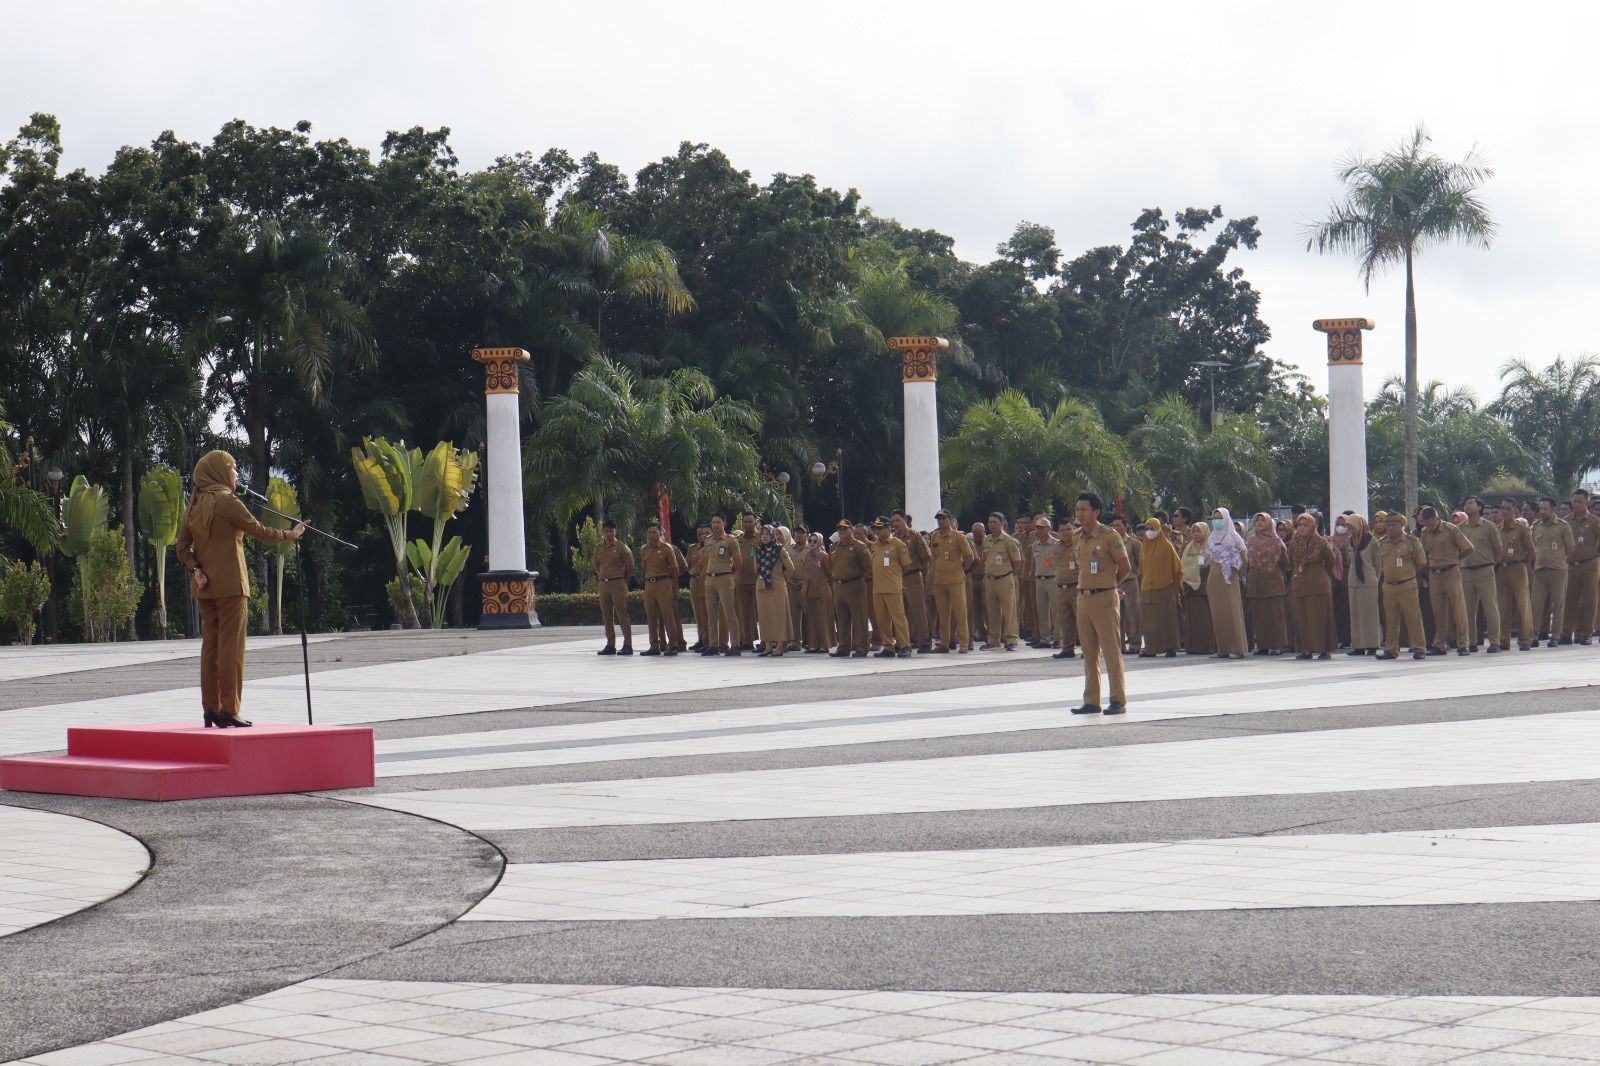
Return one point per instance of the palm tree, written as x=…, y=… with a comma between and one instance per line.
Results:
x=1552, y=412
x=1010, y=448
x=617, y=438
x=1462, y=447
x=1395, y=205
x=28, y=512
x=1192, y=464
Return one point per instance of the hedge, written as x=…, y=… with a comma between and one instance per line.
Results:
x=583, y=608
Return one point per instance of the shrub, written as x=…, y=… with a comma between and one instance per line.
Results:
x=583, y=608
x=110, y=596
x=397, y=600
x=24, y=588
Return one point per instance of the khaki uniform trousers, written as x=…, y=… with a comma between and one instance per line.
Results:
x=1515, y=609
x=744, y=598
x=893, y=629
x=950, y=608
x=614, y=610
x=1583, y=583
x=1044, y=608
x=1131, y=631
x=661, y=613
x=1479, y=590
x=1100, y=626
x=818, y=625
x=1066, y=620
x=223, y=622
x=1000, y=608
x=722, y=614
x=975, y=607
x=697, y=601
x=916, y=606
x=1025, y=605
x=1449, y=607
x=850, y=614
x=1549, y=601
x=1400, y=607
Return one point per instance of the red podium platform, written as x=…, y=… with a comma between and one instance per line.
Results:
x=174, y=761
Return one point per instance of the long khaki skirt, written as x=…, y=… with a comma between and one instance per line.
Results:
x=1158, y=619
x=1313, y=623
x=772, y=608
x=1197, y=613
x=1271, y=632
x=1227, y=612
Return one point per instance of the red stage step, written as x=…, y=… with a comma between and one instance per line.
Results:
x=172, y=761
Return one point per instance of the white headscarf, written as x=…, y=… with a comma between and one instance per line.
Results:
x=1227, y=547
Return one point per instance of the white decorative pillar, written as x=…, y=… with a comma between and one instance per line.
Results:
x=507, y=586
x=1347, y=414
x=919, y=373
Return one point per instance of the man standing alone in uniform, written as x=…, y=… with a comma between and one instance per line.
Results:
x=1478, y=574
x=916, y=594
x=1446, y=547
x=889, y=562
x=720, y=561
x=1583, y=572
x=952, y=556
x=1553, y=542
x=613, y=564
x=659, y=561
x=1102, y=568
x=848, y=565
x=1001, y=560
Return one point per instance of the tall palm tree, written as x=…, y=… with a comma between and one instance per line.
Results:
x=30, y=513
x=1552, y=412
x=1394, y=206
x=1462, y=447
x=1009, y=447
x=1203, y=466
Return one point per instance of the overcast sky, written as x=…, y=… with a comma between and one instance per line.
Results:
x=960, y=117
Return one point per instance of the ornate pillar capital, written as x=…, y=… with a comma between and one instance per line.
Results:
x=1344, y=338
x=917, y=362
x=500, y=367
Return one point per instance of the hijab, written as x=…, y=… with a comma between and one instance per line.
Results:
x=1305, y=547
x=211, y=486
x=1161, y=568
x=767, y=556
x=1265, y=550
x=1339, y=540
x=1194, y=549
x=1227, y=547
x=1357, y=540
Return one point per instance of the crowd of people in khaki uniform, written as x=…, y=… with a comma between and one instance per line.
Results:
x=1484, y=576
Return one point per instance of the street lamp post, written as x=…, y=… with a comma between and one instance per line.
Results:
x=820, y=472
x=53, y=476
x=1219, y=366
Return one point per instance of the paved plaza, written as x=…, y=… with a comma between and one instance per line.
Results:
x=574, y=861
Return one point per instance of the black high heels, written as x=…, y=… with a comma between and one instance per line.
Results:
x=213, y=718
x=226, y=720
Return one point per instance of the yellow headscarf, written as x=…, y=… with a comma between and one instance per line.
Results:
x=211, y=484
x=1160, y=566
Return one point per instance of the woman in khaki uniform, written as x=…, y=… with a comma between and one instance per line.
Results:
x=1196, y=606
x=1159, y=583
x=1311, y=591
x=211, y=547
x=773, y=568
x=1264, y=588
x=1226, y=557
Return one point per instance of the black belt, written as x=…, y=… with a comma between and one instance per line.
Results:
x=1045, y=577
x=1585, y=562
x=1407, y=581
x=847, y=580
x=666, y=578
x=1480, y=566
x=999, y=577
x=725, y=573
x=613, y=579
x=1093, y=592
x=1440, y=569
x=1066, y=586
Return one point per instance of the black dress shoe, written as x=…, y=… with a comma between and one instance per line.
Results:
x=1384, y=654
x=903, y=653
x=1170, y=655
x=231, y=721
x=1435, y=651
x=1116, y=708
x=1421, y=654
x=627, y=649
x=670, y=651
x=1565, y=641
x=1356, y=651
x=731, y=652
x=1525, y=647
x=607, y=650
x=1495, y=648
x=710, y=651
x=647, y=651
x=213, y=718
x=1303, y=655
x=1462, y=651
x=1325, y=655
x=697, y=646
x=861, y=655
x=1554, y=643
x=884, y=654
x=841, y=654
x=1086, y=709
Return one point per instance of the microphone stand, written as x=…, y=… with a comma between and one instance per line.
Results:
x=305, y=652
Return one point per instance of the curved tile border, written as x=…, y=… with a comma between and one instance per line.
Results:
x=53, y=865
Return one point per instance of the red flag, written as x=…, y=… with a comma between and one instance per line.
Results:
x=664, y=506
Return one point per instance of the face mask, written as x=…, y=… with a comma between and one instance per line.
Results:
x=1149, y=534
x=1341, y=528
x=1216, y=523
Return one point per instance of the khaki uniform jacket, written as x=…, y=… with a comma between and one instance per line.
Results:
x=1485, y=540
x=1065, y=560
x=1553, y=542
x=952, y=554
x=695, y=561
x=612, y=561
x=1585, y=537
x=1446, y=546
x=1401, y=558
x=719, y=555
x=999, y=552
x=220, y=552
x=1135, y=552
x=890, y=558
x=848, y=562
x=1098, y=551
x=748, y=543
x=658, y=560
x=1516, y=545
x=1043, y=563
x=917, y=550
x=811, y=569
